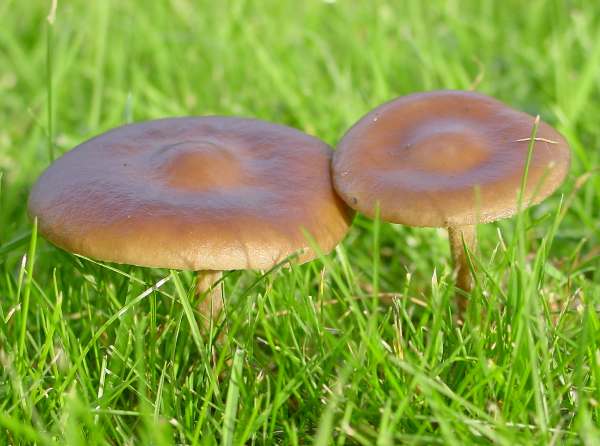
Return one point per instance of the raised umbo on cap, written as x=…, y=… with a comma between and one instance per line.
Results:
x=195, y=193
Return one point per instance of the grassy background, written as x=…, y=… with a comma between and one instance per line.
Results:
x=322, y=353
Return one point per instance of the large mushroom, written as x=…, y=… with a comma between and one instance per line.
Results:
x=448, y=159
x=206, y=194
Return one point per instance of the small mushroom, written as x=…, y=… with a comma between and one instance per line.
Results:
x=206, y=194
x=448, y=159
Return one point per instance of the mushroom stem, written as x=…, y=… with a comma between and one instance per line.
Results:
x=458, y=235
x=211, y=295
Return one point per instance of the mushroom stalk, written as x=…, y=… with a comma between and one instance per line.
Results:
x=458, y=235
x=211, y=295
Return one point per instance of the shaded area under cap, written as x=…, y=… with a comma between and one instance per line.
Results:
x=196, y=193
x=446, y=158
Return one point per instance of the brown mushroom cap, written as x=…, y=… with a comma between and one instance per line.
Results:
x=204, y=193
x=446, y=158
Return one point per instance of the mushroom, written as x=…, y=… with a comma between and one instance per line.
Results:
x=448, y=159
x=206, y=194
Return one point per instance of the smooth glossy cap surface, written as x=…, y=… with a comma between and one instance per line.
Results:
x=204, y=193
x=446, y=158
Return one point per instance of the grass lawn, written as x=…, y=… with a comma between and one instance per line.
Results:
x=359, y=347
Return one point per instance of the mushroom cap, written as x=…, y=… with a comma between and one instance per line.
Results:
x=195, y=193
x=446, y=158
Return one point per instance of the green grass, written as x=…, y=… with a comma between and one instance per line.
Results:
x=319, y=353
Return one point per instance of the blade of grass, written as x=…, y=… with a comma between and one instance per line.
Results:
x=27, y=292
x=233, y=395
